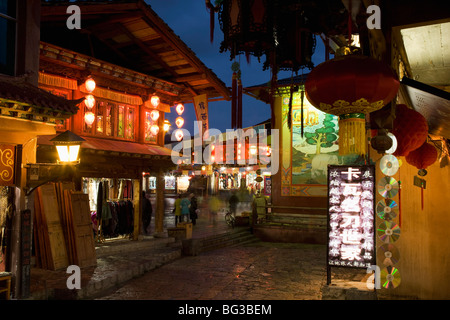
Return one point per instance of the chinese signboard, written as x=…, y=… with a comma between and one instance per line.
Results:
x=351, y=218
x=201, y=111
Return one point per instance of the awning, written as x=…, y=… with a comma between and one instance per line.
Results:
x=121, y=148
x=432, y=103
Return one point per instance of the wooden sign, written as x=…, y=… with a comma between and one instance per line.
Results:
x=7, y=157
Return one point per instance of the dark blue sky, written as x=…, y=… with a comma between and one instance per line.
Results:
x=190, y=21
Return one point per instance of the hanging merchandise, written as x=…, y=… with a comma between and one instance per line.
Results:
x=410, y=128
x=351, y=86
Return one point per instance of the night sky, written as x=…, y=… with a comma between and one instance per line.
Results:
x=190, y=21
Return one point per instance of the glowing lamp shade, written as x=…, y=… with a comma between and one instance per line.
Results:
x=89, y=118
x=154, y=100
x=166, y=125
x=154, y=129
x=179, y=122
x=154, y=115
x=179, y=134
x=180, y=109
x=90, y=85
x=68, y=147
x=89, y=101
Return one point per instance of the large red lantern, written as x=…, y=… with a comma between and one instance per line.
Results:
x=247, y=26
x=410, y=128
x=422, y=157
x=350, y=87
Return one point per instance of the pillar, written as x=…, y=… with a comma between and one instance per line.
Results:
x=159, y=214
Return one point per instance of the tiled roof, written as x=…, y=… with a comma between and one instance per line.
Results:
x=17, y=90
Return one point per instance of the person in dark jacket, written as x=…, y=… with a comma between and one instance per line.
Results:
x=193, y=208
x=147, y=210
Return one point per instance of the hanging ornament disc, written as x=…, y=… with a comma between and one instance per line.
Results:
x=390, y=278
x=388, y=187
x=389, y=165
x=387, y=209
x=388, y=232
x=388, y=255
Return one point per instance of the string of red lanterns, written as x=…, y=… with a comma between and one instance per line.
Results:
x=179, y=121
x=89, y=102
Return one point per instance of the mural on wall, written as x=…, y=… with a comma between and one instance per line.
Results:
x=305, y=159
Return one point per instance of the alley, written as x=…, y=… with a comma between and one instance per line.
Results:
x=260, y=271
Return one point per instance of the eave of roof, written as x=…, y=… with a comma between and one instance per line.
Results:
x=199, y=78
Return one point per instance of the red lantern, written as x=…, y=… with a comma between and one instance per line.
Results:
x=247, y=26
x=154, y=114
x=422, y=157
x=410, y=128
x=350, y=87
x=180, y=109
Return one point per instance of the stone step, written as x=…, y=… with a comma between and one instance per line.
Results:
x=229, y=239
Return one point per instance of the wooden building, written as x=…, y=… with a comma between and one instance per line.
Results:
x=411, y=39
x=26, y=112
x=132, y=55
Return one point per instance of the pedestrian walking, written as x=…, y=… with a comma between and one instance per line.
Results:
x=213, y=204
x=233, y=201
x=185, y=204
x=147, y=210
x=193, y=209
x=177, y=209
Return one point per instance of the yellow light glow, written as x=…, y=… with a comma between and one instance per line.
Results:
x=68, y=153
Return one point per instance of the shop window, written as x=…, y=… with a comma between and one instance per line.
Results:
x=120, y=121
x=130, y=124
x=100, y=118
x=8, y=29
x=109, y=120
x=149, y=136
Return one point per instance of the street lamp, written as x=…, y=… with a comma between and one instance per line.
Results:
x=68, y=147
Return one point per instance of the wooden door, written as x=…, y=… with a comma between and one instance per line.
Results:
x=50, y=211
x=82, y=229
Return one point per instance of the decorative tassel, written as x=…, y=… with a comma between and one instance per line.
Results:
x=352, y=134
x=350, y=23
x=399, y=203
x=302, y=99
x=211, y=10
x=239, y=104
x=233, y=100
x=421, y=195
x=291, y=96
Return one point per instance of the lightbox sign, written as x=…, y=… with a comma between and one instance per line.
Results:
x=351, y=216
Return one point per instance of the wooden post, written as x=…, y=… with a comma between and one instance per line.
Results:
x=137, y=200
x=159, y=215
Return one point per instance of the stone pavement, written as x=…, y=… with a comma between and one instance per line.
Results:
x=120, y=260
x=154, y=268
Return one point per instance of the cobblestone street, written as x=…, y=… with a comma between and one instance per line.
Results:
x=260, y=271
